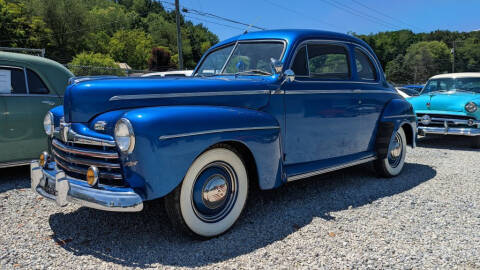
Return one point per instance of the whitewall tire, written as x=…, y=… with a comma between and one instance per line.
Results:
x=212, y=195
x=393, y=164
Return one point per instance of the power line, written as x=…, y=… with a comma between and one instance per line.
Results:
x=384, y=14
x=299, y=13
x=211, y=15
x=212, y=22
x=360, y=14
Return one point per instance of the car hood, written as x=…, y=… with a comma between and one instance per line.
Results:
x=443, y=101
x=87, y=99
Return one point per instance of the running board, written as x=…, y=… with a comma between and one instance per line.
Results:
x=329, y=169
x=15, y=163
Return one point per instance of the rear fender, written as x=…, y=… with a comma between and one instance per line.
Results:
x=398, y=113
x=169, y=138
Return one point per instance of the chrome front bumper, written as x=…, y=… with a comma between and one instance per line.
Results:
x=55, y=185
x=422, y=130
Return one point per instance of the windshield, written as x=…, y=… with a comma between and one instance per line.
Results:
x=247, y=58
x=450, y=84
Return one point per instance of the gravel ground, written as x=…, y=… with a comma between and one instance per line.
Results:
x=429, y=217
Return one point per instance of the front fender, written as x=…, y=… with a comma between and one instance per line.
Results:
x=169, y=138
x=396, y=114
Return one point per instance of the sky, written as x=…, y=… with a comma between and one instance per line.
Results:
x=359, y=16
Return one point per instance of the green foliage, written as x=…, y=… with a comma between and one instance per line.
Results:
x=406, y=62
x=19, y=27
x=160, y=59
x=132, y=46
x=125, y=29
x=85, y=63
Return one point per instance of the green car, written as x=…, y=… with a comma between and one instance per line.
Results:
x=448, y=105
x=29, y=87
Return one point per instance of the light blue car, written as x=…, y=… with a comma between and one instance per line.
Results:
x=448, y=105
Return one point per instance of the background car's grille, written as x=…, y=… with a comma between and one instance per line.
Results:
x=75, y=158
x=438, y=120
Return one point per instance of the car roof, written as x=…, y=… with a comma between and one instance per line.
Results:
x=54, y=74
x=457, y=75
x=291, y=35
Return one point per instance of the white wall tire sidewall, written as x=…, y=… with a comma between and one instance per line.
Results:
x=191, y=219
x=397, y=170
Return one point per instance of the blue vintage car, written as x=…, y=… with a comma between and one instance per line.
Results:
x=448, y=105
x=262, y=109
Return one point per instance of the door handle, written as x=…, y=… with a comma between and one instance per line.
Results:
x=51, y=103
x=357, y=90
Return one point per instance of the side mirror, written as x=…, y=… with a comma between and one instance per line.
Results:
x=289, y=75
x=277, y=66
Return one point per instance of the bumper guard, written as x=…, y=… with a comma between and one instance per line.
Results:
x=55, y=185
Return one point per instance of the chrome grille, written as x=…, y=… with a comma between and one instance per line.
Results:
x=75, y=158
x=447, y=120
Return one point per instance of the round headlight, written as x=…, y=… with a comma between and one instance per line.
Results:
x=471, y=107
x=124, y=136
x=48, y=123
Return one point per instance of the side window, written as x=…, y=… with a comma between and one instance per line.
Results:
x=326, y=61
x=365, y=68
x=35, y=84
x=299, y=65
x=12, y=81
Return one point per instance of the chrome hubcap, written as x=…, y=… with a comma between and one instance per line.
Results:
x=396, y=150
x=214, y=192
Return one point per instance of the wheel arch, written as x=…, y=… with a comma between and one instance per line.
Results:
x=170, y=138
x=398, y=113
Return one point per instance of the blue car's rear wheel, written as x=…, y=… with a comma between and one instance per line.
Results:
x=212, y=194
x=393, y=164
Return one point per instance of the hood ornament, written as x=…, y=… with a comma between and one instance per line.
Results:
x=428, y=105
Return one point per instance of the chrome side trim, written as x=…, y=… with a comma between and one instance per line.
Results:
x=165, y=137
x=355, y=91
x=87, y=162
x=330, y=169
x=190, y=94
x=15, y=163
x=400, y=116
x=80, y=151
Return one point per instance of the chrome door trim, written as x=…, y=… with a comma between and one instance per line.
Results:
x=402, y=116
x=165, y=137
x=26, y=80
x=190, y=94
x=30, y=95
x=15, y=163
x=330, y=169
x=333, y=91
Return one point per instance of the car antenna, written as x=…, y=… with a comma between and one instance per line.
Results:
x=250, y=26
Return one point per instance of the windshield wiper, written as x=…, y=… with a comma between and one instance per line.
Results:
x=253, y=71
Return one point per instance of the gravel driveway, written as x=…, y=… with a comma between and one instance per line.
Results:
x=428, y=217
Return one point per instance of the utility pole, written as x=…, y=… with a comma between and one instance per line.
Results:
x=179, y=35
x=453, y=62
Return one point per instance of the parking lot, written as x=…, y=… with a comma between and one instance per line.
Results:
x=428, y=217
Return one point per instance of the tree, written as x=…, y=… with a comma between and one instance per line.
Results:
x=159, y=59
x=467, y=56
x=427, y=58
x=396, y=72
x=20, y=28
x=132, y=47
x=89, y=63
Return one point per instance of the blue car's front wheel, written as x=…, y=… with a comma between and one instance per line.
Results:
x=212, y=194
